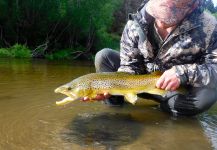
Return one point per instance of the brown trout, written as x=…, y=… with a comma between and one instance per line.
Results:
x=114, y=83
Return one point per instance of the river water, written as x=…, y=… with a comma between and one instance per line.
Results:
x=30, y=120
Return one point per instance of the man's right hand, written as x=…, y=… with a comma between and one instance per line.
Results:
x=99, y=97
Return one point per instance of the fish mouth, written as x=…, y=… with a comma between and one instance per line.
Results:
x=63, y=90
x=65, y=101
x=70, y=96
x=58, y=90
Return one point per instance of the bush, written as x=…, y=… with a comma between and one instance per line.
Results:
x=16, y=51
x=20, y=51
x=61, y=54
x=4, y=52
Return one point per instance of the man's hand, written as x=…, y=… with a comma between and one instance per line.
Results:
x=168, y=80
x=99, y=97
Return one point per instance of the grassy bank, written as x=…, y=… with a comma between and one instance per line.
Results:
x=22, y=51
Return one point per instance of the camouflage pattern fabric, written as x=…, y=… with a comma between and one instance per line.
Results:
x=191, y=48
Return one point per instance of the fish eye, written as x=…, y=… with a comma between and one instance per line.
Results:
x=69, y=88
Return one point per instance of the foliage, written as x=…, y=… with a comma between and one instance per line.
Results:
x=5, y=52
x=20, y=51
x=62, y=29
x=61, y=54
x=61, y=24
x=16, y=51
x=209, y=5
x=215, y=14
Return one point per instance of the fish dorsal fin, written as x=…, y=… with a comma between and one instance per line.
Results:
x=131, y=97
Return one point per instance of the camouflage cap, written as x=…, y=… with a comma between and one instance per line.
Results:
x=170, y=11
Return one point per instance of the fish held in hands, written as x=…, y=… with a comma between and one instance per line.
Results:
x=114, y=83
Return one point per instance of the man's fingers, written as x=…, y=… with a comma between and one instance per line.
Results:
x=175, y=87
x=165, y=83
x=172, y=86
x=169, y=87
x=160, y=81
x=168, y=80
x=102, y=96
x=85, y=99
x=99, y=97
x=106, y=95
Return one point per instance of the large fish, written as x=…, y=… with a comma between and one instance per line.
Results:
x=114, y=83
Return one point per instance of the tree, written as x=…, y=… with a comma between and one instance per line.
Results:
x=47, y=26
x=210, y=6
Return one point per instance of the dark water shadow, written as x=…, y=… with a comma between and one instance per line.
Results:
x=110, y=130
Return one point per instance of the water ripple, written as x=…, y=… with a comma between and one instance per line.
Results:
x=209, y=123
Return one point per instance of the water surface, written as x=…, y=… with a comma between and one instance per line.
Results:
x=30, y=120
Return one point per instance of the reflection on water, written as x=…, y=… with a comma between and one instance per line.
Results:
x=107, y=129
x=30, y=120
x=209, y=123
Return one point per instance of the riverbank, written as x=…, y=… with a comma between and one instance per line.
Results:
x=22, y=51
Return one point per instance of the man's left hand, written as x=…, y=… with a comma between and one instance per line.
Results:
x=168, y=80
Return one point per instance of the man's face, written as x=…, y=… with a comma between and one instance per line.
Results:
x=170, y=12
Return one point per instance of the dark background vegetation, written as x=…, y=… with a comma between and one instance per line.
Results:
x=64, y=29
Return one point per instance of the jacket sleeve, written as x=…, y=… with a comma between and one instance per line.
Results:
x=205, y=74
x=130, y=55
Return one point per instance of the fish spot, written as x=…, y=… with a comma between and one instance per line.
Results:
x=83, y=86
x=96, y=84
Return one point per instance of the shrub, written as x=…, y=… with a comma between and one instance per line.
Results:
x=4, y=52
x=61, y=54
x=16, y=51
x=20, y=51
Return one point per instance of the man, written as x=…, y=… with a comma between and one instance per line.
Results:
x=176, y=37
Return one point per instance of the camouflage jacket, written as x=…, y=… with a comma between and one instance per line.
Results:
x=191, y=48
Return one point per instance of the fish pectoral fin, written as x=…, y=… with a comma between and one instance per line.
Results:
x=65, y=101
x=131, y=97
